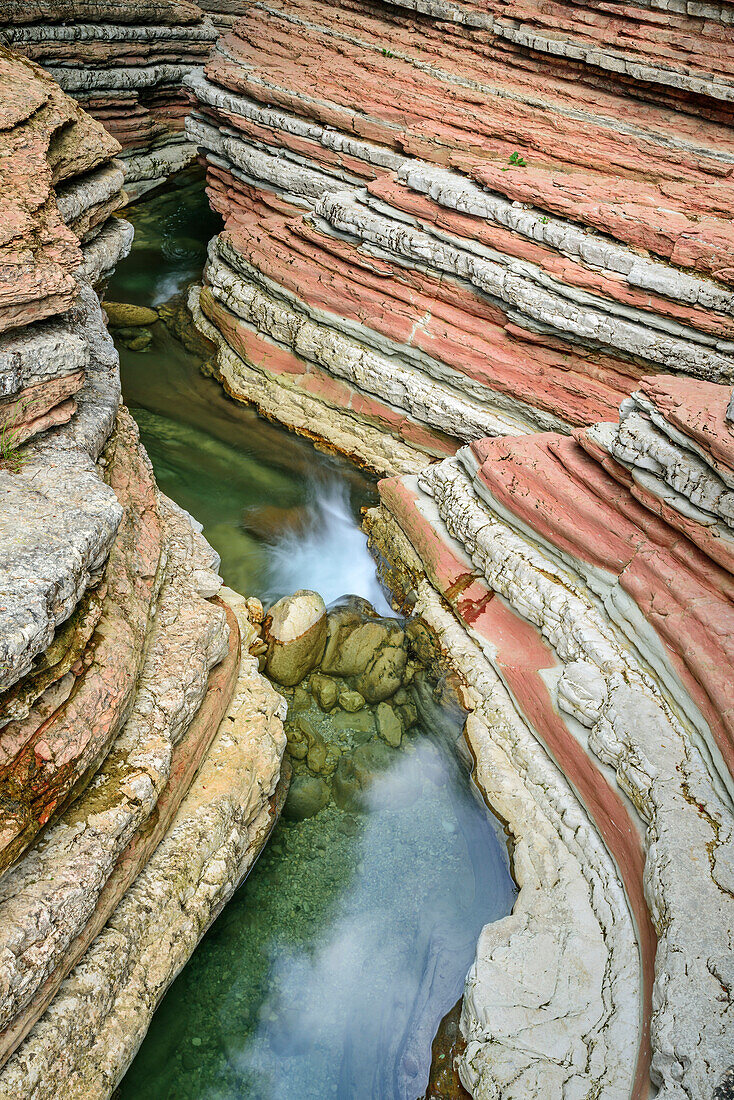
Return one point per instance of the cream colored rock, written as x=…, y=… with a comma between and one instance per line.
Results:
x=85, y=1041
x=295, y=631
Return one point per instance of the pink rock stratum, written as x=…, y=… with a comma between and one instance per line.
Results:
x=486, y=249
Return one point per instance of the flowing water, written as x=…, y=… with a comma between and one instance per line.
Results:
x=328, y=974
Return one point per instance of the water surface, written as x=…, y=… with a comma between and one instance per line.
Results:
x=328, y=974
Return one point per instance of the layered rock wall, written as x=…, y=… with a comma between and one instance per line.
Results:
x=450, y=222
x=138, y=742
x=592, y=577
x=489, y=246
x=124, y=63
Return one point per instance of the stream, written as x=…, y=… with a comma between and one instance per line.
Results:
x=328, y=974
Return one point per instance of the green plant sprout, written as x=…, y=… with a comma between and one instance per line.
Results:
x=10, y=456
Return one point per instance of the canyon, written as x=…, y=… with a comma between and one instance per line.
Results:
x=485, y=251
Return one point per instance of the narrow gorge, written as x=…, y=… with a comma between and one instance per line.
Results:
x=367, y=550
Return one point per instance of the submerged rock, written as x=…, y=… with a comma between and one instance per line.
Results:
x=306, y=796
x=389, y=724
x=127, y=315
x=271, y=521
x=356, y=771
x=140, y=342
x=295, y=631
x=325, y=691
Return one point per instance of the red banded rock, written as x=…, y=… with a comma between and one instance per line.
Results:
x=612, y=632
x=552, y=1001
x=59, y=518
x=47, y=142
x=685, y=47
x=117, y=665
x=672, y=449
x=91, y=1031
x=60, y=186
x=124, y=64
x=504, y=245
x=51, y=895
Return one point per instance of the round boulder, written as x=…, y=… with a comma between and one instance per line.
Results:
x=324, y=690
x=295, y=631
x=306, y=796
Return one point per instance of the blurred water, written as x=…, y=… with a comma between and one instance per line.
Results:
x=328, y=974
x=328, y=554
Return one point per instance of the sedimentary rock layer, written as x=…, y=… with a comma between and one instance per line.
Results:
x=122, y=673
x=124, y=63
x=592, y=576
x=444, y=229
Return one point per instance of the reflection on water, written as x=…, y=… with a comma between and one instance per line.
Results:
x=172, y=230
x=327, y=976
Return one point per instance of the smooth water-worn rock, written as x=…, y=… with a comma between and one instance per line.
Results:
x=389, y=725
x=306, y=796
x=125, y=315
x=295, y=632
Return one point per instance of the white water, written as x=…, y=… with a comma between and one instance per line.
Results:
x=330, y=556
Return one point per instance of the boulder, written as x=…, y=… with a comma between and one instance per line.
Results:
x=295, y=631
x=389, y=724
x=324, y=690
x=127, y=315
x=297, y=744
x=352, y=645
x=356, y=771
x=141, y=342
x=306, y=796
x=363, y=722
x=384, y=674
x=408, y=714
x=351, y=701
x=322, y=758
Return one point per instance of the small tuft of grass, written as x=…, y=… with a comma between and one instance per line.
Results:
x=386, y=53
x=11, y=457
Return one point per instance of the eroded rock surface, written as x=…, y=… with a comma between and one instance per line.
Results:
x=124, y=63
x=448, y=221
x=138, y=741
x=591, y=616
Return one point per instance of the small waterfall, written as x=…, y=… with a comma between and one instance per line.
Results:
x=329, y=555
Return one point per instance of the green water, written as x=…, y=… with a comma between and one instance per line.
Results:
x=328, y=973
